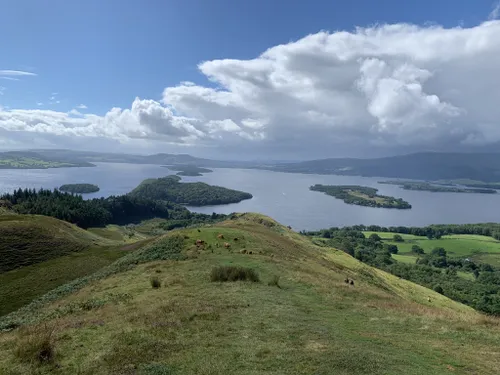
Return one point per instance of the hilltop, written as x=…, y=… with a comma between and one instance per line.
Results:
x=300, y=317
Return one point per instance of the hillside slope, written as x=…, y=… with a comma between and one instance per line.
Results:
x=420, y=166
x=30, y=239
x=39, y=253
x=308, y=322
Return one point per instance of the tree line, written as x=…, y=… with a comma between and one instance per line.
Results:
x=430, y=231
x=123, y=209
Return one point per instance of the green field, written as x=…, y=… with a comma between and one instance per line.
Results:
x=311, y=323
x=481, y=249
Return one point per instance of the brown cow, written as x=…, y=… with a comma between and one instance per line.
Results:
x=220, y=236
x=227, y=245
x=200, y=242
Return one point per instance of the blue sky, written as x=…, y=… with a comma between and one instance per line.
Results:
x=104, y=54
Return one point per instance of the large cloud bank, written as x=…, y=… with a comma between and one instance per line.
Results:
x=386, y=85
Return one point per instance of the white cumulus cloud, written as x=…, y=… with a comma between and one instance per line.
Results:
x=399, y=84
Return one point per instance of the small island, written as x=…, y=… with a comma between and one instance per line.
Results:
x=79, y=188
x=187, y=193
x=436, y=188
x=188, y=170
x=361, y=196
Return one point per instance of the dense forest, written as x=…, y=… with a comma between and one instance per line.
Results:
x=434, y=270
x=97, y=212
x=425, y=186
x=361, y=196
x=79, y=188
x=190, y=193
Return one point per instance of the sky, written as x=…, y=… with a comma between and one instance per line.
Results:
x=260, y=79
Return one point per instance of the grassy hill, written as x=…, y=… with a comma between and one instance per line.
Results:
x=40, y=253
x=300, y=318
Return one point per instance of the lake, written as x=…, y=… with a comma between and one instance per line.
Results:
x=283, y=196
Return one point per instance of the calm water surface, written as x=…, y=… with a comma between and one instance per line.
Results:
x=284, y=196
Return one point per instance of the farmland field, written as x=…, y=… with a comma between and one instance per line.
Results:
x=481, y=249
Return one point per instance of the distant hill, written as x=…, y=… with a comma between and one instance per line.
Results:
x=160, y=159
x=34, y=160
x=421, y=166
x=164, y=309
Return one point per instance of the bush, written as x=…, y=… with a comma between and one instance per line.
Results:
x=417, y=249
x=35, y=345
x=393, y=249
x=398, y=238
x=438, y=289
x=275, y=281
x=233, y=273
x=155, y=282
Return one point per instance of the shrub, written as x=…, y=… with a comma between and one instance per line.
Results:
x=275, y=281
x=155, y=283
x=398, y=238
x=233, y=273
x=36, y=345
x=393, y=249
x=417, y=249
x=438, y=289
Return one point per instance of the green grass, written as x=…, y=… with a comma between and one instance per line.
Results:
x=313, y=324
x=404, y=258
x=479, y=248
x=22, y=285
x=40, y=253
x=30, y=239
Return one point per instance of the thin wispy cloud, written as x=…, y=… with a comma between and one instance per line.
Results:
x=81, y=106
x=495, y=13
x=15, y=73
x=10, y=78
x=39, y=104
x=2, y=89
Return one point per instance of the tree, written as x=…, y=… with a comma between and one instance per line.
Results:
x=438, y=251
x=393, y=249
x=438, y=289
x=476, y=274
x=375, y=237
x=417, y=249
x=398, y=238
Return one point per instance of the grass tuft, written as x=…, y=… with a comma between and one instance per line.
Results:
x=233, y=273
x=275, y=281
x=155, y=283
x=35, y=345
